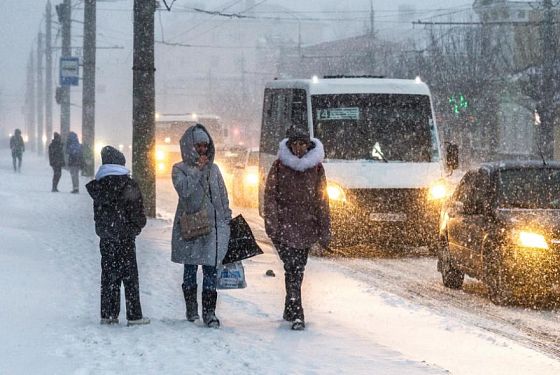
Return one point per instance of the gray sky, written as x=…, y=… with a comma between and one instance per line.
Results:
x=20, y=21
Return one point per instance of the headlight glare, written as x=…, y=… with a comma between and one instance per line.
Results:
x=252, y=179
x=531, y=239
x=160, y=155
x=438, y=191
x=335, y=192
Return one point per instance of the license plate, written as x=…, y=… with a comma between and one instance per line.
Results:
x=378, y=216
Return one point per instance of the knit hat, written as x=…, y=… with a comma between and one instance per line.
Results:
x=296, y=134
x=200, y=136
x=110, y=155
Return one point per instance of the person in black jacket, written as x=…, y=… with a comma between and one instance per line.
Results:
x=56, y=160
x=17, y=146
x=119, y=217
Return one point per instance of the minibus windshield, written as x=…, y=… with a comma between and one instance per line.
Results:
x=380, y=127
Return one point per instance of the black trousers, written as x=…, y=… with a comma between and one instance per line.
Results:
x=118, y=265
x=57, y=173
x=294, y=261
x=16, y=160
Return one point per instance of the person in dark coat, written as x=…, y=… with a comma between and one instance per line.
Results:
x=75, y=160
x=296, y=212
x=56, y=160
x=119, y=217
x=199, y=185
x=17, y=146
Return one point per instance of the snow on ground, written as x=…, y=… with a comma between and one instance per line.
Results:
x=49, y=308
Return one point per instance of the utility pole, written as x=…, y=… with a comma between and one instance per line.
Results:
x=48, y=72
x=64, y=12
x=88, y=93
x=547, y=110
x=143, y=105
x=40, y=94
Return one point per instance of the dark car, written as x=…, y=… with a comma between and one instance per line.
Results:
x=502, y=226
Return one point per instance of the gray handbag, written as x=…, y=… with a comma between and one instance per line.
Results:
x=196, y=224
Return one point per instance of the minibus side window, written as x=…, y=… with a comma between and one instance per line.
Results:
x=275, y=119
x=298, y=114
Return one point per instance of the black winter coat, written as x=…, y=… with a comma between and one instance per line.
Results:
x=117, y=206
x=56, y=153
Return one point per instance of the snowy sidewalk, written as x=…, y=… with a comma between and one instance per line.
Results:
x=49, y=308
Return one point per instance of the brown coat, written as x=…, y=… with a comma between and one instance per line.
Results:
x=296, y=206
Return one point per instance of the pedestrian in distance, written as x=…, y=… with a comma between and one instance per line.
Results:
x=296, y=212
x=200, y=186
x=75, y=160
x=119, y=217
x=17, y=146
x=56, y=160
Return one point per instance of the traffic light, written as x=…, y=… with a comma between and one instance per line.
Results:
x=458, y=103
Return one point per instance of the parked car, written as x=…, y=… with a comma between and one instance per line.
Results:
x=245, y=188
x=502, y=226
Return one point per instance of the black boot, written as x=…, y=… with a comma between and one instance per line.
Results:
x=209, y=298
x=293, y=309
x=190, y=303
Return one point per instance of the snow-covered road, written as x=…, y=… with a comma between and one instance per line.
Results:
x=376, y=316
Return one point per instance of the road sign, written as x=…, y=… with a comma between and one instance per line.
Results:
x=69, y=71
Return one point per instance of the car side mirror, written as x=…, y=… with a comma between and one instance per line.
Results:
x=452, y=156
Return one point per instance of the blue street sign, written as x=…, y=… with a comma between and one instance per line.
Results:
x=69, y=71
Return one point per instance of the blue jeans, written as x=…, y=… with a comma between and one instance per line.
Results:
x=209, y=277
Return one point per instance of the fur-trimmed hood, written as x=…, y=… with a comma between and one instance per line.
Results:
x=311, y=159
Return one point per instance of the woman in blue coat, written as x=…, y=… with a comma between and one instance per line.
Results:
x=199, y=185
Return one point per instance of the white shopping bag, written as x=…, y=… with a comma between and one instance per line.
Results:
x=231, y=276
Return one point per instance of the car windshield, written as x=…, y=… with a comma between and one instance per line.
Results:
x=381, y=127
x=530, y=188
x=230, y=157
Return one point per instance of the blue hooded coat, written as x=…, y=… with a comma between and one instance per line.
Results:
x=74, y=151
x=196, y=188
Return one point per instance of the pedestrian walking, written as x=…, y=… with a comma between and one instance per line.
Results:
x=75, y=160
x=203, y=200
x=56, y=160
x=17, y=146
x=119, y=217
x=296, y=212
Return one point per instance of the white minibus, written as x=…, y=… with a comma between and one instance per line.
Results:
x=386, y=176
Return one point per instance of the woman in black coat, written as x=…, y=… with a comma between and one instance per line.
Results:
x=56, y=160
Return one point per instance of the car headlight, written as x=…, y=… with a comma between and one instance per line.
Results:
x=438, y=191
x=160, y=155
x=530, y=239
x=161, y=167
x=252, y=179
x=335, y=192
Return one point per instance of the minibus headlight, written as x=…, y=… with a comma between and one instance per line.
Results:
x=335, y=192
x=438, y=191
